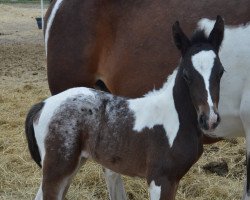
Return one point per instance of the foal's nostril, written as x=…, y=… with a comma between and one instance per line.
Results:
x=218, y=118
x=203, y=122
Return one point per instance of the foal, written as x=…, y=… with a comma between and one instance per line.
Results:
x=157, y=136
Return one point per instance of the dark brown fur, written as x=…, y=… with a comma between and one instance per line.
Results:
x=117, y=45
x=32, y=117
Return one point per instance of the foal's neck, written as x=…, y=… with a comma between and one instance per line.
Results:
x=169, y=106
x=183, y=103
x=174, y=94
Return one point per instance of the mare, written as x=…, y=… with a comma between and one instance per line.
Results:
x=117, y=45
x=158, y=136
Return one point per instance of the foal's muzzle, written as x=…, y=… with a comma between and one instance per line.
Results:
x=210, y=121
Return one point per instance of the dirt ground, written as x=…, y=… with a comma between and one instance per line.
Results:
x=23, y=82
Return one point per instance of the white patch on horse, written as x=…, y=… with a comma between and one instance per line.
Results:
x=203, y=62
x=155, y=191
x=50, y=22
x=157, y=108
x=51, y=105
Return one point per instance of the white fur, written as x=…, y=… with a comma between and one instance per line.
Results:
x=50, y=22
x=39, y=195
x=203, y=62
x=155, y=191
x=157, y=108
x=51, y=104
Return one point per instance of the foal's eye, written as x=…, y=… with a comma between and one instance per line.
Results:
x=186, y=77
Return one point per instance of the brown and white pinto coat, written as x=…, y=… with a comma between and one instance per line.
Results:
x=117, y=45
x=157, y=136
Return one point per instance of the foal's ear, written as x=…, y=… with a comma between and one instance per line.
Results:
x=217, y=34
x=180, y=39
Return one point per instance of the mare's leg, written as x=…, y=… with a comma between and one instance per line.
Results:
x=245, y=117
x=161, y=188
x=115, y=185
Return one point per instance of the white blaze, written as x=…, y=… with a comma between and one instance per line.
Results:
x=203, y=62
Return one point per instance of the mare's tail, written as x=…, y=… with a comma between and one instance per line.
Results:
x=30, y=133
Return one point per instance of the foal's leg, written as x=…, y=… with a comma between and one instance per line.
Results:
x=115, y=185
x=245, y=117
x=161, y=188
x=39, y=195
x=57, y=175
x=82, y=161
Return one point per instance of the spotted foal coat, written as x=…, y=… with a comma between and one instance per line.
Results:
x=157, y=136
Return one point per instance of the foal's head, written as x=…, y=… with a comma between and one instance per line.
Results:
x=202, y=70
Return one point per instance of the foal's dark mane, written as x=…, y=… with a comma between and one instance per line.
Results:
x=198, y=37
